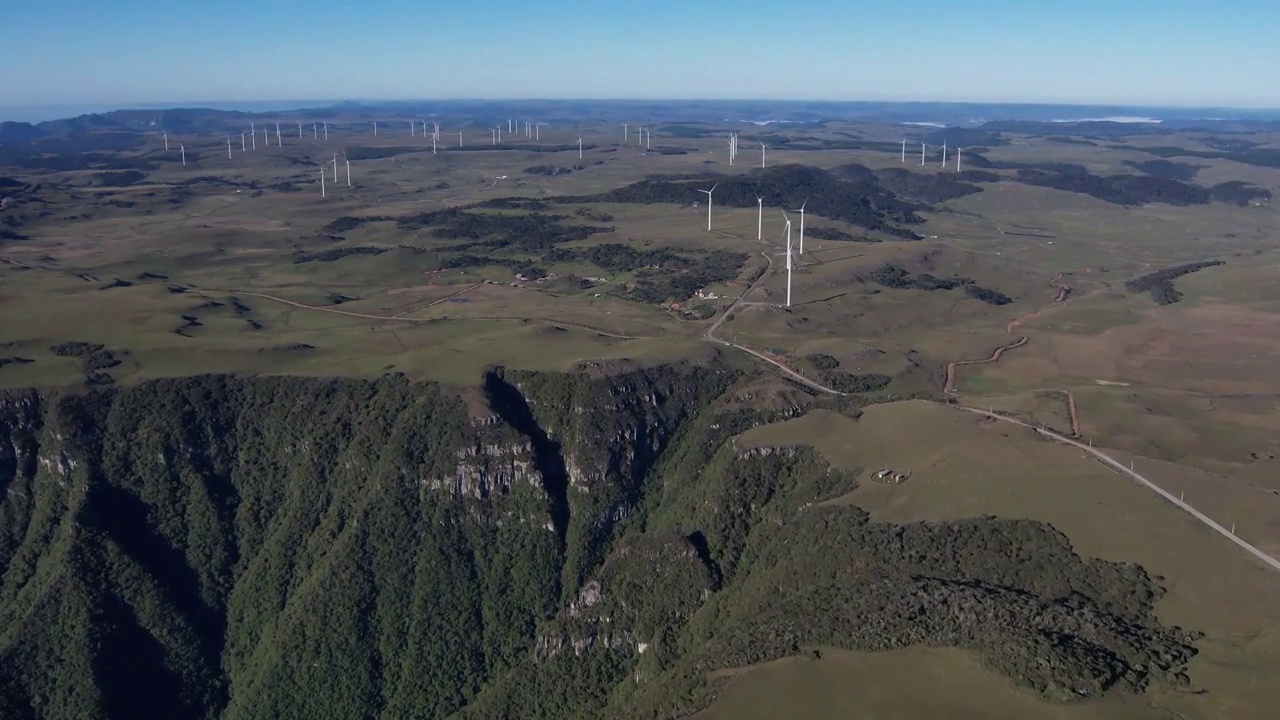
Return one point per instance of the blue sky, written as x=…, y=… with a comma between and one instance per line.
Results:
x=1174, y=52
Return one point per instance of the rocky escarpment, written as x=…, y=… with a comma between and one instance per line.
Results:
x=549, y=545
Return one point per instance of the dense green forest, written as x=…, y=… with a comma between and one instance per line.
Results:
x=549, y=545
x=1159, y=284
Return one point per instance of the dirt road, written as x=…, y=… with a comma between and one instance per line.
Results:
x=1119, y=467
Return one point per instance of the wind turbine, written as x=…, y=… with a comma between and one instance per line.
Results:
x=784, y=214
x=537, y=133
x=944, y=153
x=253, y=135
x=266, y=139
x=242, y=142
x=647, y=137
x=277, y=134
x=731, y=149
x=322, y=180
x=958, y=151
x=640, y=135
x=922, y=146
x=166, y=140
x=315, y=132
x=762, y=148
x=348, y=171
x=326, y=131
x=413, y=128
x=806, y=202
x=335, y=167
x=228, y=147
x=299, y=131
x=459, y=138
x=375, y=128
x=624, y=131
x=904, y=149
x=493, y=135
x=759, y=218
x=579, y=147
x=500, y=133
x=433, y=141
x=708, y=192
x=182, y=149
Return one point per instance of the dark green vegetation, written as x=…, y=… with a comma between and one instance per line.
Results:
x=1166, y=169
x=860, y=201
x=528, y=244
x=892, y=276
x=1164, y=182
x=1160, y=283
x=589, y=544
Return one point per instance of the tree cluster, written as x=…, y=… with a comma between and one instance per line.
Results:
x=1159, y=284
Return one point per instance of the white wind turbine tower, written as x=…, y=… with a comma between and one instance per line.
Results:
x=277, y=134
x=335, y=167
x=348, y=170
x=579, y=147
x=299, y=131
x=493, y=135
x=640, y=135
x=647, y=138
x=315, y=132
x=375, y=128
x=624, y=131
x=500, y=134
x=731, y=148
x=326, y=130
x=242, y=148
x=537, y=133
x=166, y=140
x=266, y=139
x=182, y=149
x=762, y=149
x=253, y=135
x=413, y=128
x=944, y=153
x=806, y=202
x=904, y=149
x=784, y=214
x=228, y=147
x=708, y=192
x=759, y=218
x=322, y=180
x=958, y=151
x=459, y=138
x=922, y=147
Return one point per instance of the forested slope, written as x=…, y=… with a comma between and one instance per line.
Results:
x=557, y=545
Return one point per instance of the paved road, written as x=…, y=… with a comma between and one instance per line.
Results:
x=1118, y=466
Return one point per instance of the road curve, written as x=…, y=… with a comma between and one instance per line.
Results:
x=1118, y=466
x=710, y=335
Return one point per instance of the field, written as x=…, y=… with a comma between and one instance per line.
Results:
x=953, y=459
x=1017, y=295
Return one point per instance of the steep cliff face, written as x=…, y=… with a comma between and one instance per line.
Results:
x=583, y=545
